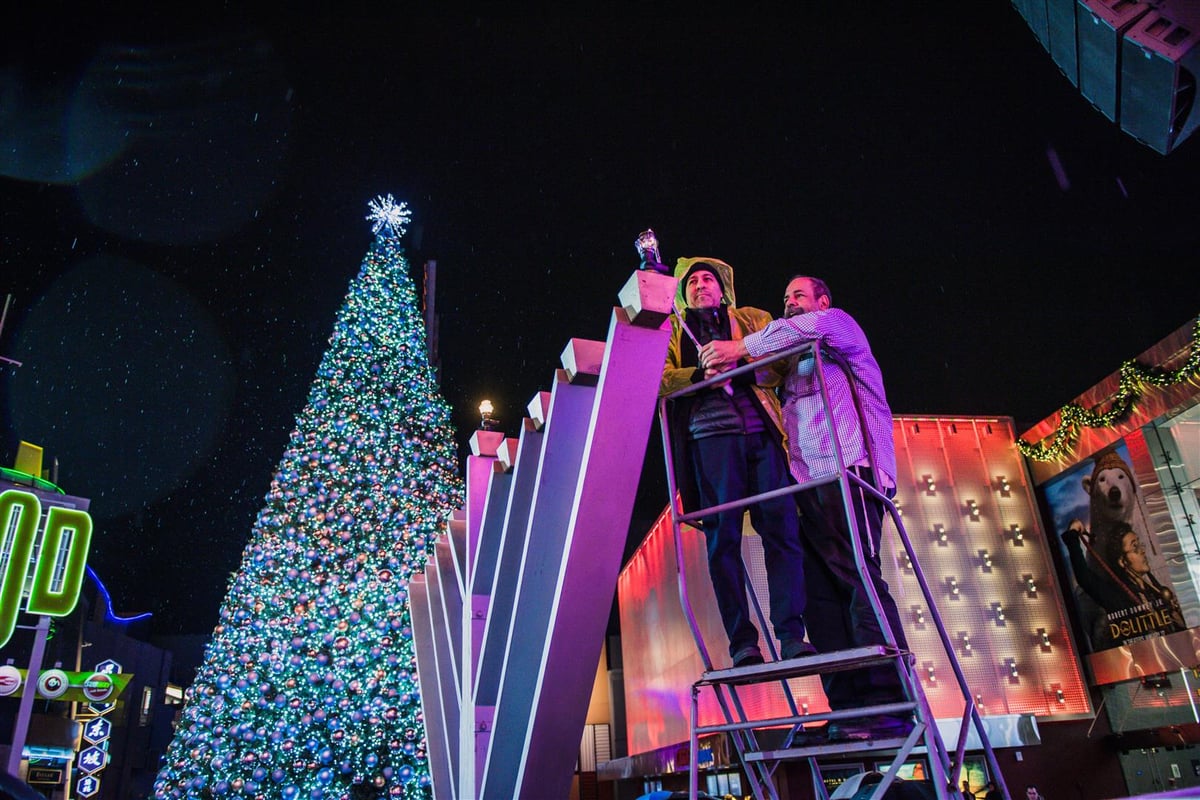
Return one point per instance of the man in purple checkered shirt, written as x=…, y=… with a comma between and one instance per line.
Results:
x=840, y=615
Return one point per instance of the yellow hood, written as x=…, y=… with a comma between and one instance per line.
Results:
x=722, y=269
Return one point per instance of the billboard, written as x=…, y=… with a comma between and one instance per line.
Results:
x=1128, y=577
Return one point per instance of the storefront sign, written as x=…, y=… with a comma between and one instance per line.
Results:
x=57, y=549
x=43, y=775
x=93, y=688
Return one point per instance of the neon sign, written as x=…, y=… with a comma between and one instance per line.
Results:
x=58, y=562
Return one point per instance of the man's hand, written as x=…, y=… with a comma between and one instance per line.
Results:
x=717, y=354
x=711, y=373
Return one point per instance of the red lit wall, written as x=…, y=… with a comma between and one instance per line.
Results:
x=980, y=542
x=990, y=546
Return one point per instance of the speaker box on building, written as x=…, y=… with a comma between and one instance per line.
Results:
x=1100, y=26
x=1159, y=61
x=1034, y=12
x=1060, y=33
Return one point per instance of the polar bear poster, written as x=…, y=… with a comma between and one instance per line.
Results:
x=1097, y=505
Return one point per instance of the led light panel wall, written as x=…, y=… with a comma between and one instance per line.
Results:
x=969, y=509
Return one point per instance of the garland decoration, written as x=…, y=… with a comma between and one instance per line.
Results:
x=1135, y=380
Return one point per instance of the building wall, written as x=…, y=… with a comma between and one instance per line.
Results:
x=971, y=516
x=984, y=536
x=968, y=508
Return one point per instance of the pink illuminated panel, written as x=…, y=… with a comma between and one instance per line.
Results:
x=971, y=516
x=969, y=511
x=660, y=657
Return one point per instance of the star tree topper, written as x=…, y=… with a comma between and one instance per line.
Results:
x=387, y=213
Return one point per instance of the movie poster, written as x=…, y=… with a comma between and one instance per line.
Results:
x=1120, y=578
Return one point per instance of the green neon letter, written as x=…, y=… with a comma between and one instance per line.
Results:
x=19, y=514
x=44, y=598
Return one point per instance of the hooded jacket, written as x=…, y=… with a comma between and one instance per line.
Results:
x=681, y=371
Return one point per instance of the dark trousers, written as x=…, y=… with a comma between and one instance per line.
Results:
x=839, y=614
x=734, y=467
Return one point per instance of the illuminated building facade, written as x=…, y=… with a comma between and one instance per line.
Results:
x=985, y=510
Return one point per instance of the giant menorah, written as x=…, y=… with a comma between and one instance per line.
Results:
x=510, y=615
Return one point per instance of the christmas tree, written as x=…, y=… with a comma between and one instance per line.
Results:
x=308, y=688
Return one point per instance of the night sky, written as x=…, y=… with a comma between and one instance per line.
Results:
x=182, y=210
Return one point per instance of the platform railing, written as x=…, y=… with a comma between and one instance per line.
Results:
x=760, y=765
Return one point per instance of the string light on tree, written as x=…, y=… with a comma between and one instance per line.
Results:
x=308, y=689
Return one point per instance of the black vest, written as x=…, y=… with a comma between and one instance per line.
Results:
x=716, y=412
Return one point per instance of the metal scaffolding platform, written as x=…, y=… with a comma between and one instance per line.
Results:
x=763, y=744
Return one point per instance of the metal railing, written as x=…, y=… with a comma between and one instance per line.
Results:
x=944, y=766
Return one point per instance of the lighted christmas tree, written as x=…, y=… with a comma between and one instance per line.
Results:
x=308, y=688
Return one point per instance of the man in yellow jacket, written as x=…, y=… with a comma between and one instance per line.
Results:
x=728, y=445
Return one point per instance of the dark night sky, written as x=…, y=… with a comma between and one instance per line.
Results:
x=182, y=210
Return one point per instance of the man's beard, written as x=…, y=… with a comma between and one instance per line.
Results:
x=792, y=311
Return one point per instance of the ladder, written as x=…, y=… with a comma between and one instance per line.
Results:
x=763, y=744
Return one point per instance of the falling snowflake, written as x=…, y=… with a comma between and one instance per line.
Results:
x=387, y=213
